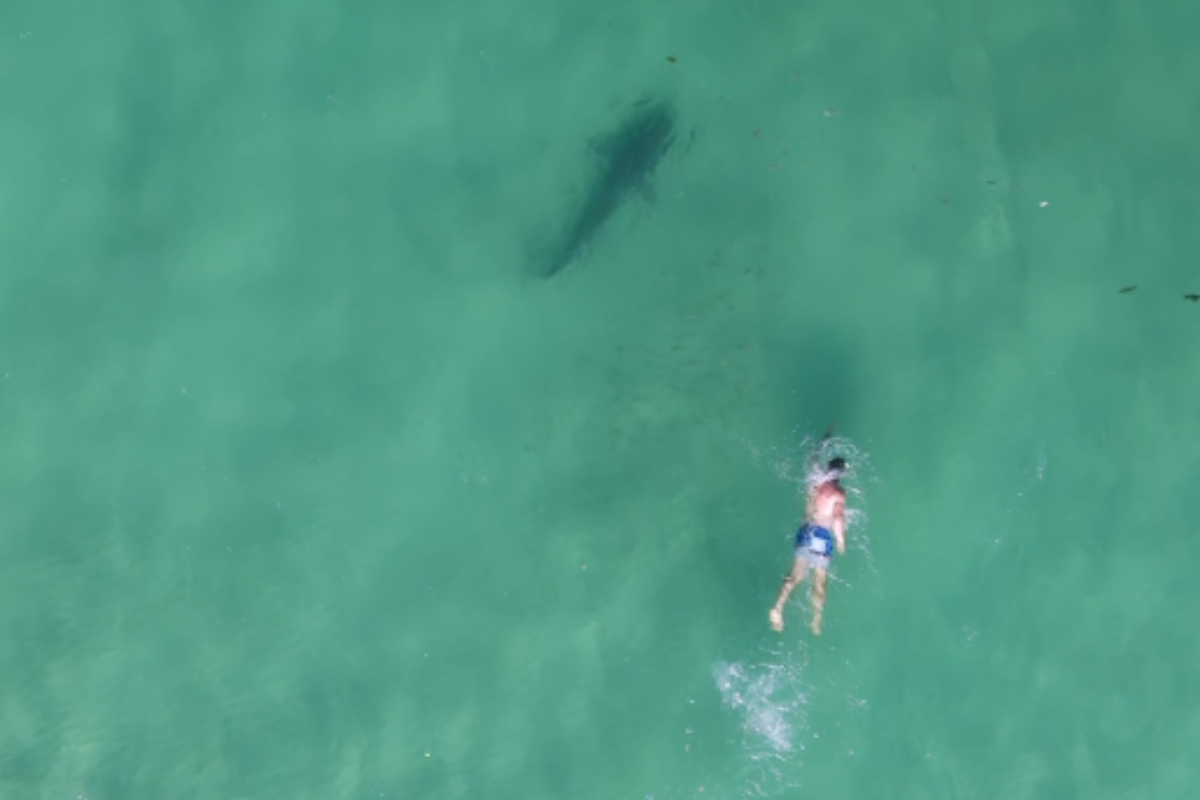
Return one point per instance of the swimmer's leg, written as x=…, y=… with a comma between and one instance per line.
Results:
x=818, y=598
x=799, y=567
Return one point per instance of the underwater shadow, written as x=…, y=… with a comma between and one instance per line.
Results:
x=626, y=160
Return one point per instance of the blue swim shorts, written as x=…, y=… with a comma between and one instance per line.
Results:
x=815, y=545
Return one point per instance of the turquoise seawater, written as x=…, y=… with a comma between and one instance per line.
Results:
x=309, y=488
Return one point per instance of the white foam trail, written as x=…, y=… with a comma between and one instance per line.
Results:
x=768, y=701
x=763, y=698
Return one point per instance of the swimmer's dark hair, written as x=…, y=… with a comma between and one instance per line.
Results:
x=837, y=465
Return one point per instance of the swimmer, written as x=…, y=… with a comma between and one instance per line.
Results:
x=824, y=526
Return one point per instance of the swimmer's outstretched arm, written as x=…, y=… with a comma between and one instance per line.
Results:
x=839, y=525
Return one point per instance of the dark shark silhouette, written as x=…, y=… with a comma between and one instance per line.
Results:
x=626, y=158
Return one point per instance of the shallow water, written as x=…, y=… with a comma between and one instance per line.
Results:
x=309, y=490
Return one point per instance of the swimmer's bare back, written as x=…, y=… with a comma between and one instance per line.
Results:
x=826, y=506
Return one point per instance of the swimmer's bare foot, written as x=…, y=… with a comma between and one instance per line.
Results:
x=776, y=619
x=816, y=626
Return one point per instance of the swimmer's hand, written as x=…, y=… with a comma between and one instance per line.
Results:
x=776, y=617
